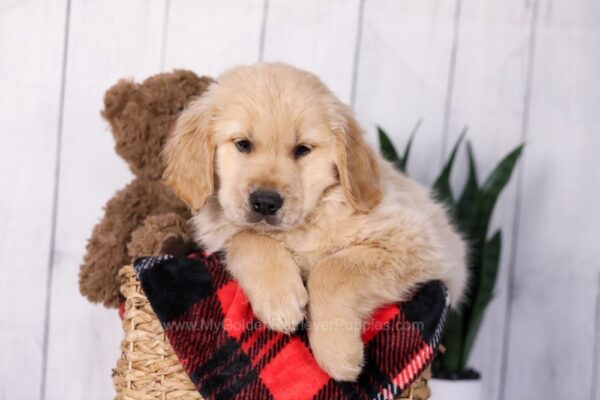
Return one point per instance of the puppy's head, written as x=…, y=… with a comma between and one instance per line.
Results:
x=268, y=140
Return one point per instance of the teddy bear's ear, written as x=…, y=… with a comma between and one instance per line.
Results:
x=189, y=155
x=116, y=98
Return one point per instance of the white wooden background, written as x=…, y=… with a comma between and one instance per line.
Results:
x=512, y=70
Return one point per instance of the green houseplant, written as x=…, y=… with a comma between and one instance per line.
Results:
x=471, y=211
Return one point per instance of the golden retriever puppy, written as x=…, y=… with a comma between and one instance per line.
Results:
x=312, y=221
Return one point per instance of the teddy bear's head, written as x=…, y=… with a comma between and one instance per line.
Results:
x=141, y=116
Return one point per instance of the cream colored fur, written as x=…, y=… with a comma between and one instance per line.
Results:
x=353, y=233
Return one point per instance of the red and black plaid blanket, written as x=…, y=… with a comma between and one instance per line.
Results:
x=228, y=354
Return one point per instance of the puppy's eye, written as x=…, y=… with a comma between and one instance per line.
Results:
x=301, y=150
x=243, y=145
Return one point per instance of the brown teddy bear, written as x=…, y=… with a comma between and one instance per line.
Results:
x=145, y=217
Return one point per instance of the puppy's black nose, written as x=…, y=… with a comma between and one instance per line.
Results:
x=265, y=202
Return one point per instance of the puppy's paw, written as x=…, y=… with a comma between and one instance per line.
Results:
x=281, y=306
x=339, y=351
x=267, y=272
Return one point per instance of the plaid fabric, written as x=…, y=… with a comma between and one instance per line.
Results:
x=229, y=354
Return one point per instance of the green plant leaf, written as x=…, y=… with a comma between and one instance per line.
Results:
x=475, y=229
x=452, y=341
x=487, y=196
x=386, y=147
x=466, y=201
x=484, y=294
x=404, y=161
x=441, y=187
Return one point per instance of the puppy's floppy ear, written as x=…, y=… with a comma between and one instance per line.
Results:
x=189, y=155
x=357, y=165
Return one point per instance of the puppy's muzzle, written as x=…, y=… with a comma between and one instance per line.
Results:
x=265, y=202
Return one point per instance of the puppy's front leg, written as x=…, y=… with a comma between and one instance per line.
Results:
x=270, y=278
x=344, y=290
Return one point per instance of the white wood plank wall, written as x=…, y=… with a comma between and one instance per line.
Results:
x=512, y=71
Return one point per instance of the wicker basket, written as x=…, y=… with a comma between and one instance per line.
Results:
x=148, y=367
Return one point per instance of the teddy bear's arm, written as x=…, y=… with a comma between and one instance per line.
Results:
x=161, y=234
x=106, y=250
x=107, y=247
